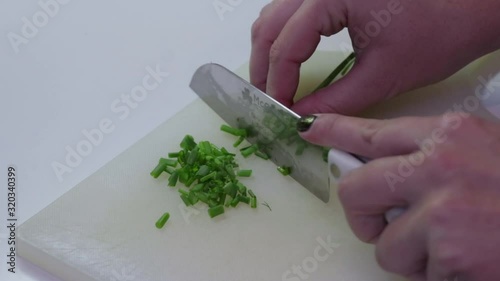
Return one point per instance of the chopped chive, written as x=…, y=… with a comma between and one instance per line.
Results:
x=188, y=142
x=261, y=154
x=300, y=148
x=162, y=220
x=231, y=189
x=348, y=67
x=173, y=155
x=183, y=192
x=160, y=168
x=284, y=170
x=198, y=187
x=244, y=173
x=203, y=171
x=238, y=141
x=215, y=211
x=253, y=202
x=193, y=156
x=208, y=177
x=212, y=203
x=233, y=131
x=169, y=169
x=235, y=202
x=244, y=199
x=169, y=162
x=249, y=151
x=203, y=197
x=185, y=199
x=250, y=192
x=242, y=188
x=172, y=180
x=193, y=199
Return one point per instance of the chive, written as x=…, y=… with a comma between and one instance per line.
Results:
x=212, y=203
x=198, y=187
x=193, y=199
x=285, y=170
x=172, y=180
x=233, y=131
x=335, y=72
x=235, y=202
x=193, y=156
x=250, y=192
x=244, y=173
x=156, y=172
x=173, y=155
x=162, y=220
x=185, y=199
x=261, y=154
x=244, y=199
x=169, y=169
x=215, y=211
x=208, y=177
x=249, y=151
x=253, y=202
x=183, y=192
x=203, y=171
x=348, y=67
x=242, y=188
x=300, y=148
x=231, y=189
x=188, y=142
x=203, y=197
x=169, y=162
x=238, y=141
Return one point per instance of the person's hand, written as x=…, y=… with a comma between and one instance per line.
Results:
x=400, y=45
x=444, y=169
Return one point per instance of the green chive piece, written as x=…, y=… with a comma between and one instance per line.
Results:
x=242, y=188
x=253, y=202
x=348, y=67
x=250, y=192
x=169, y=162
x=188, y=142
x=160, y=168
x=169, y=170
x=198, y=187
x=335, y=72
x=238, y=141
x=285, y=170
x=235, y=202
x=185, y=199
x=233, y=131
x=162, y=220
x=173, y=155
x=261, y=154
x=249, y=151
x=203, y=171
x=208, y=177
x=172, y=180
x=231, y=189
x=244, y=173
x=244, y=199
x=215, y=211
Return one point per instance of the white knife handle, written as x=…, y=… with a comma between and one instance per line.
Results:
x=341, y=162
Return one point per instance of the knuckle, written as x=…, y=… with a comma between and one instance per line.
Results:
x=275, y=53
x=445, y=164
x=257, y=28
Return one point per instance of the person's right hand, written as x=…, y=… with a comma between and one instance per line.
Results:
x=400, y=45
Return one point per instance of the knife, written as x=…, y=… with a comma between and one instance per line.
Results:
x=272, y=128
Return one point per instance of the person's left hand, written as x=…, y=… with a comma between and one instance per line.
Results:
x=445, y=170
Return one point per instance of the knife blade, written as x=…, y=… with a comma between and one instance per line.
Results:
x=271, y=125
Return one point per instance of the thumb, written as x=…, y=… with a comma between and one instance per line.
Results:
x=367, y=83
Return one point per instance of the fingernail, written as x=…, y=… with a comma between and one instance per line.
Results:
x=305, y=123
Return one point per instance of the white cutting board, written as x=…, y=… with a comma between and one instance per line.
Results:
x=103, y=229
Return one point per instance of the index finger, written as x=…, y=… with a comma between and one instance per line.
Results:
x=265, y=30
x=297, y=42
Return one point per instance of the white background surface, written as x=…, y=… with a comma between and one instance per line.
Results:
x=66, y=77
